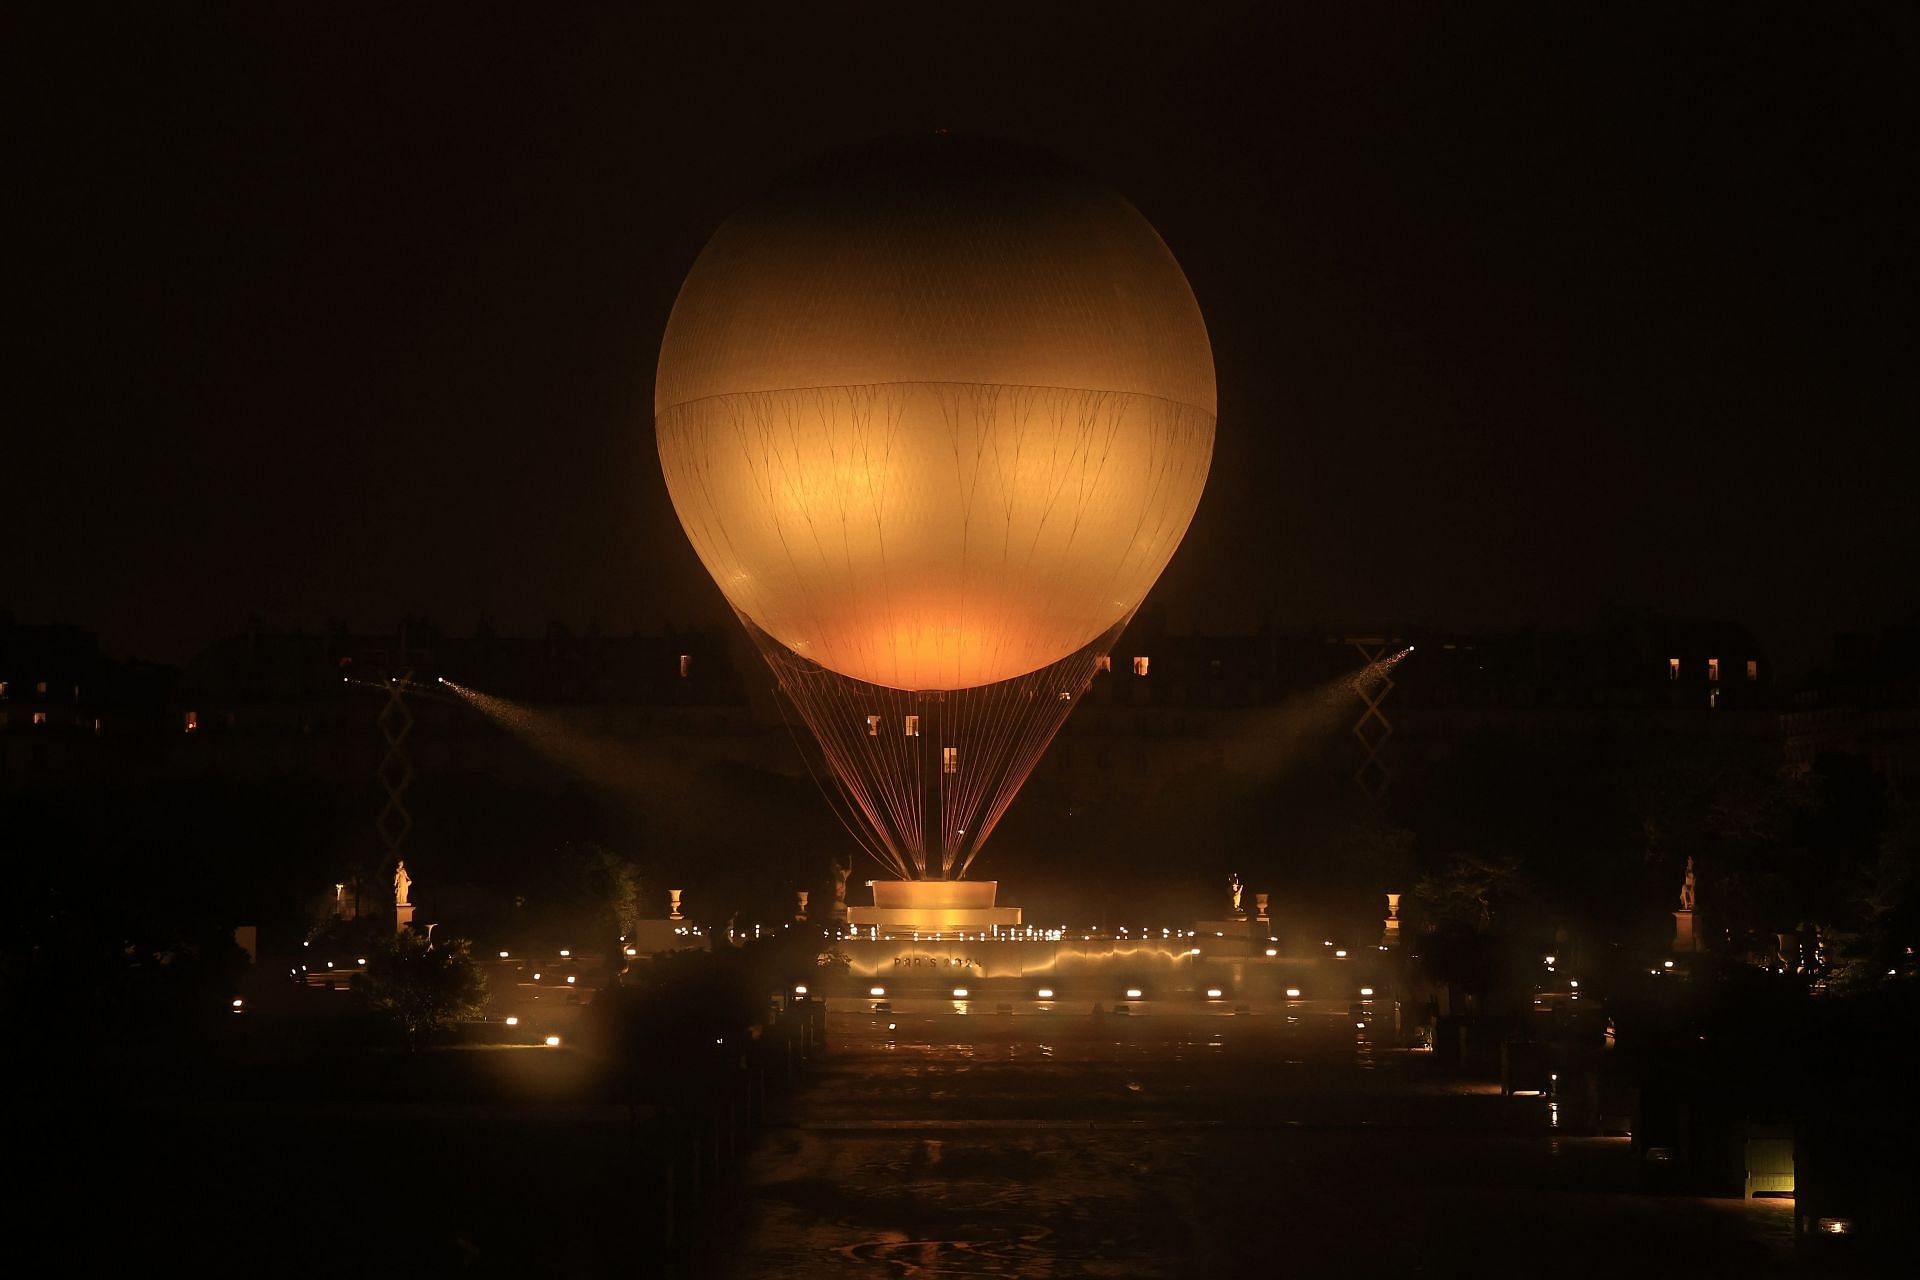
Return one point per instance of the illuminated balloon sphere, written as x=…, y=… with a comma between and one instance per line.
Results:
x=936, y=413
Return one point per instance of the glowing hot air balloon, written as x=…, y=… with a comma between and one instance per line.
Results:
x=935, y=415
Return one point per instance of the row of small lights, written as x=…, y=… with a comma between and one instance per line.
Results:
x=997, y=934
x=959, y=993
x=1051, y=935
x=1046, y=993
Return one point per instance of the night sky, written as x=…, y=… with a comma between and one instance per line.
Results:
x=351, y=311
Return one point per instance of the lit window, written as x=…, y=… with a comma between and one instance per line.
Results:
x=1713, y=698
x=949, y=759
x=39, y=717
x=41, y=687
x=1139, y=666
x=873, y=726
x=686, y=665
x=1713, y=670
x=913, y=726
x=1102, y=663
x=1673, y=668
x=192, y=721
x=3, y=688
x=96, y=726
x=1753, y=669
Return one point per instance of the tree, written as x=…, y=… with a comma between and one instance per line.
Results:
x=425, y=987
x=1460, y=906
x=1460, y=896
x=1876, y=941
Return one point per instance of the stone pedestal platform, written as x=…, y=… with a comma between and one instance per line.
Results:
x=904, y=907
x=1684, y=941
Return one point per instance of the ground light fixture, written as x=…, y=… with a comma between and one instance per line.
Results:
x=876, y=991
x=1133, y=993
x=553, y=1042
x=1045, y=993
x=1366, y=991
x=513, y=1020
x=959, y=993
x=800, y=989
x=1213, y=993
x=1293, y=993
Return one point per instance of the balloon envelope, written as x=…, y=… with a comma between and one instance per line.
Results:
x=935, y=414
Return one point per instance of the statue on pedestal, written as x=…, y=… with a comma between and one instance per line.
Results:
x=1260, y=908
x=673, y=903
x=402, y=908
x=1684, y=940
x=841, y=870
x=1235, y=888
x=801, y=913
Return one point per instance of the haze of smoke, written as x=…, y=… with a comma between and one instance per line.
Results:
x=1279, y=738
x=658, y=784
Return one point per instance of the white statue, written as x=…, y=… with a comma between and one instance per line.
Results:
x=402, y=884
x=1235, y=888
x=1686, y=887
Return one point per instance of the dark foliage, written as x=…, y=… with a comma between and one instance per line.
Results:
x=424, y=987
